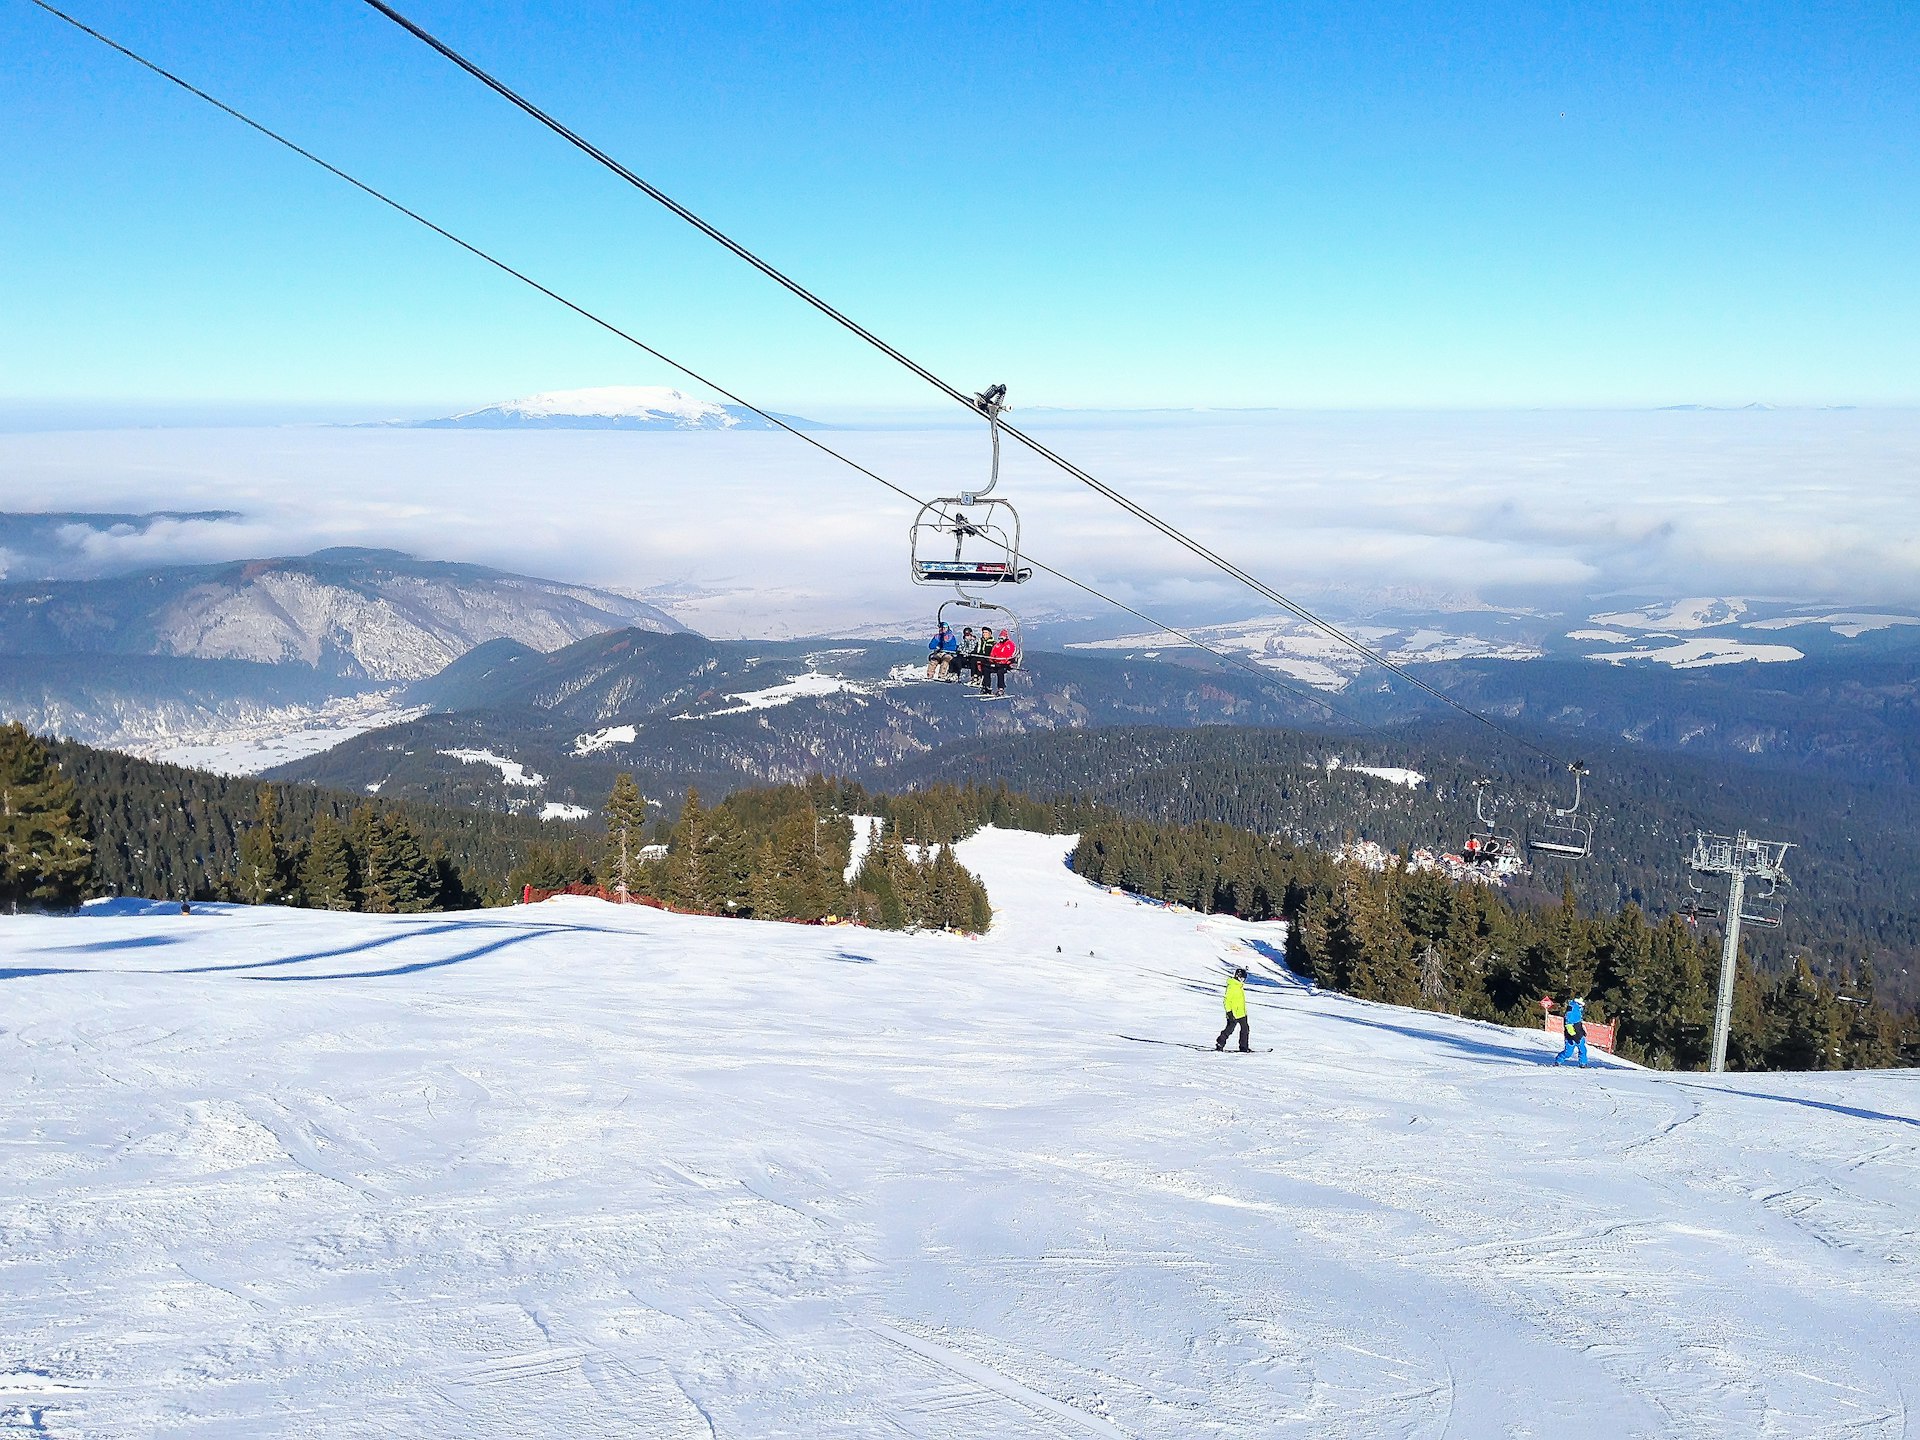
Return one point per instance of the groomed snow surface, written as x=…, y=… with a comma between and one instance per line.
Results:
x=588, y=1171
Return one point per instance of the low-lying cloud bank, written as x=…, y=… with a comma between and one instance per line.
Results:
x=780, y=539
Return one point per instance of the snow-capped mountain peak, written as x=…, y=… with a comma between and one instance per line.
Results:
x=608, y=407
x=613, y=402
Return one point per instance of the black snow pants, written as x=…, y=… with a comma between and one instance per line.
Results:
x=1232, y=1021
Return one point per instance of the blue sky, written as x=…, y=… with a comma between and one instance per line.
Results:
x=1295, y=206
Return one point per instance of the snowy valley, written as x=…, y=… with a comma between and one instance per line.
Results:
x=588, y=1170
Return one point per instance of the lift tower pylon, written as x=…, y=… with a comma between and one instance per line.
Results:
x=1739, y=857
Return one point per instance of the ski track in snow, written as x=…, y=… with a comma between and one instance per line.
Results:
x=582, y=1170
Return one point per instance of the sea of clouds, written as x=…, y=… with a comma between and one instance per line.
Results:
x=759, y=534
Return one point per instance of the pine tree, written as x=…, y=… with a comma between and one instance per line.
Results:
x=549, y=867
x=1342, y=959
x=882, y=906
x=1752, y=1033
x=626, y=813
x=45, y=856
x=1668, y=1002
x=727, y=865
x=686, y=879
x=801, y=877
x=1809, y=1026
x=262, y=873
x=1426, y=905
x=1873, y=1034
x=327, y=874
x=764, y=898
x=398, y=877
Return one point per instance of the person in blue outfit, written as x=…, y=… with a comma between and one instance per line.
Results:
x=1576, y=1033
x=941, y=653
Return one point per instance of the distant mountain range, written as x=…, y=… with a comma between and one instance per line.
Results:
x=259, y=663
x=356, y=614
x=721, y=714
x=607, y=407
x=191, y=660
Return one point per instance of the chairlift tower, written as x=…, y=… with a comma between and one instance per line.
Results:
x=1739, y=857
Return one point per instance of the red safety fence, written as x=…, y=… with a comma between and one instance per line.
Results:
x=1599, y=1036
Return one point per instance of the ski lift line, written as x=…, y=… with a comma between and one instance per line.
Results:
x=839, y=317
x=612, y=329
x=653, y=192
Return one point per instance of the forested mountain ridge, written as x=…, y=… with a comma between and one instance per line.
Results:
x=680, y=711
x=167, y=832
x=1854, y=718
x=1854, y=869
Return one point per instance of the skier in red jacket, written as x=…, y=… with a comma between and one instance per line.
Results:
x=1000, y=660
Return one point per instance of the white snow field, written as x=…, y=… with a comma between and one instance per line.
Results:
x=578, y=1170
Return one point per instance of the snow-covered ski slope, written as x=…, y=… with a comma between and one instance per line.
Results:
x=573, y=1170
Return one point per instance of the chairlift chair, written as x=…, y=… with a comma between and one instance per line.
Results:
x=1765, y=907
x=1489, y=843
x=967, y=540
x=972, y=538
x=1698, y=907
x=1008, y=622
x=1565, y=835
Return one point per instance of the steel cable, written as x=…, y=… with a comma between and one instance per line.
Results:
x=1227, y=657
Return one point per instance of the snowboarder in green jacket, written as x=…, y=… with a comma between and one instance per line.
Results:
x=1236, y=1003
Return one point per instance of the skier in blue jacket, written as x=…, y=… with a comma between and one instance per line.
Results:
x=942, y=650
x=1576, y=1033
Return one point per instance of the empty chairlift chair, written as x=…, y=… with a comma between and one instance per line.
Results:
x=1566, y=835
x=972, y=538
x=1764, y=906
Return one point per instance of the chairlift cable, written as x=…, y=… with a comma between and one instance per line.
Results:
x=607, y=325
x=839, y=317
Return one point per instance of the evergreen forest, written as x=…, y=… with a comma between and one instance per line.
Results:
x=77, y=822
x=782, y=853
x=1855, y=854
x=1414, y=938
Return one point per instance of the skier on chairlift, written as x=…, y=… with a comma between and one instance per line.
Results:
x=941, y=651
x=983, y=657
x=964, y=657
x=1000, y=659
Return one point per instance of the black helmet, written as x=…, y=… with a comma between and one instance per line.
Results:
x=1239, y=972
